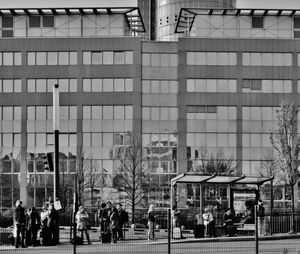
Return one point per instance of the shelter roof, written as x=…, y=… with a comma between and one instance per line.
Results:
x=196, y=178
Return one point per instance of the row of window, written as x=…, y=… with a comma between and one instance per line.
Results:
x=52, y=58
x=160, y=113
x=256, y=140
x=212, y=85
x=107, y=57
x=46, y=112
x=10, y=86
x=33, y=21
x=268, y=59
x=106, y=139
x=211, y=112
x=160, y=86
x=46, y=139
x=10, y=58
x=10, y=113
x=46, y=85
x=107, y=112
x=107, y=85
x=163, y=60
x=160, y=140
x=267, y=86
x=153, y=86
x=249, y=59
x=211, y=58
x=211, y=139
x=10, y=140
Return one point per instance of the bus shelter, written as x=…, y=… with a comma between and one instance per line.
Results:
x=233, y=184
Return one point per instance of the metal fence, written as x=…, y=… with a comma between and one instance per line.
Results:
x=276, y=240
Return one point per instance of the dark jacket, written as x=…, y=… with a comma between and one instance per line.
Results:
x=52, y=218
x=19, y=215
x=261, y=211
x=34, y=220
x=122, y=217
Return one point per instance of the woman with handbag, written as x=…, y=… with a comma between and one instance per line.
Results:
x=82, y=218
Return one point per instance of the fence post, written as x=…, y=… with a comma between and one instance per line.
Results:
x=169, y=231
x=256, y=229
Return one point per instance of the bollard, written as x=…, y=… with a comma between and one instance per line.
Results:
x=169, y=231
x=256, y=229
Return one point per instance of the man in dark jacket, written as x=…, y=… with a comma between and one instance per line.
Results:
x=122, y=219
x=20, y=220
x=113, y=220
x=261, y=218
x=52, y=225
x=33, y=225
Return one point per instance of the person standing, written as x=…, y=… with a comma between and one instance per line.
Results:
x=28, y=227
x=122, y=219
x=52, y=225
x=82, y=218
x=35, y=224
x=151, y=223
x=209, y=223
x=261, y=218
x=113, y=220
x=44, y=222
x=20, y=220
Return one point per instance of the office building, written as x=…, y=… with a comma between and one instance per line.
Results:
x=216, y=87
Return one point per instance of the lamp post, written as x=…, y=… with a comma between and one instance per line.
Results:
x=56, y=140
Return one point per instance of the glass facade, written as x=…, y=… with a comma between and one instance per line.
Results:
x=10, y=138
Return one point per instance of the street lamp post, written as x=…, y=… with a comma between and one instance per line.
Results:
x=56, y=140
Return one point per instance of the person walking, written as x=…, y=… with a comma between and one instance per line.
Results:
x=82, y=219
x=122, y=219
x=113, y=220
x=261, y=218
x=20, y=220
x=151, y=223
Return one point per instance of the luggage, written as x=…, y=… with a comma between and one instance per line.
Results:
x=176, y=233
x=78, y=240
x=106, y=237
x=230, y=230
x=199, y=231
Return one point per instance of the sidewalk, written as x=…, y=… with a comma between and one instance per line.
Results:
x=160, y=241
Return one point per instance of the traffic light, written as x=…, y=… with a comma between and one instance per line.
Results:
x=48, y=162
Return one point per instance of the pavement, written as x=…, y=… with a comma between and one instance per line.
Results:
x=133, y=244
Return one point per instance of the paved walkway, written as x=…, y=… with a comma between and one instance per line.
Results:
x=160, y=241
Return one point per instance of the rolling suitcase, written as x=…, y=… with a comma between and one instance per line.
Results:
x=106, y=237
x=176, y=233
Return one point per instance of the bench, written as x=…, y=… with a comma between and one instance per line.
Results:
x=245, y=229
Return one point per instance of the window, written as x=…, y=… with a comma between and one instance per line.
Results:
x=257, y=22
x=48, y=21
x=7, y=22
x=34, y=21
x=7, y=26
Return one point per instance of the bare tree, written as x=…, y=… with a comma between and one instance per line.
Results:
x=88, y=179
x=286, y=143
x=270, y=168
x=131, y=171
x=218, y=164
